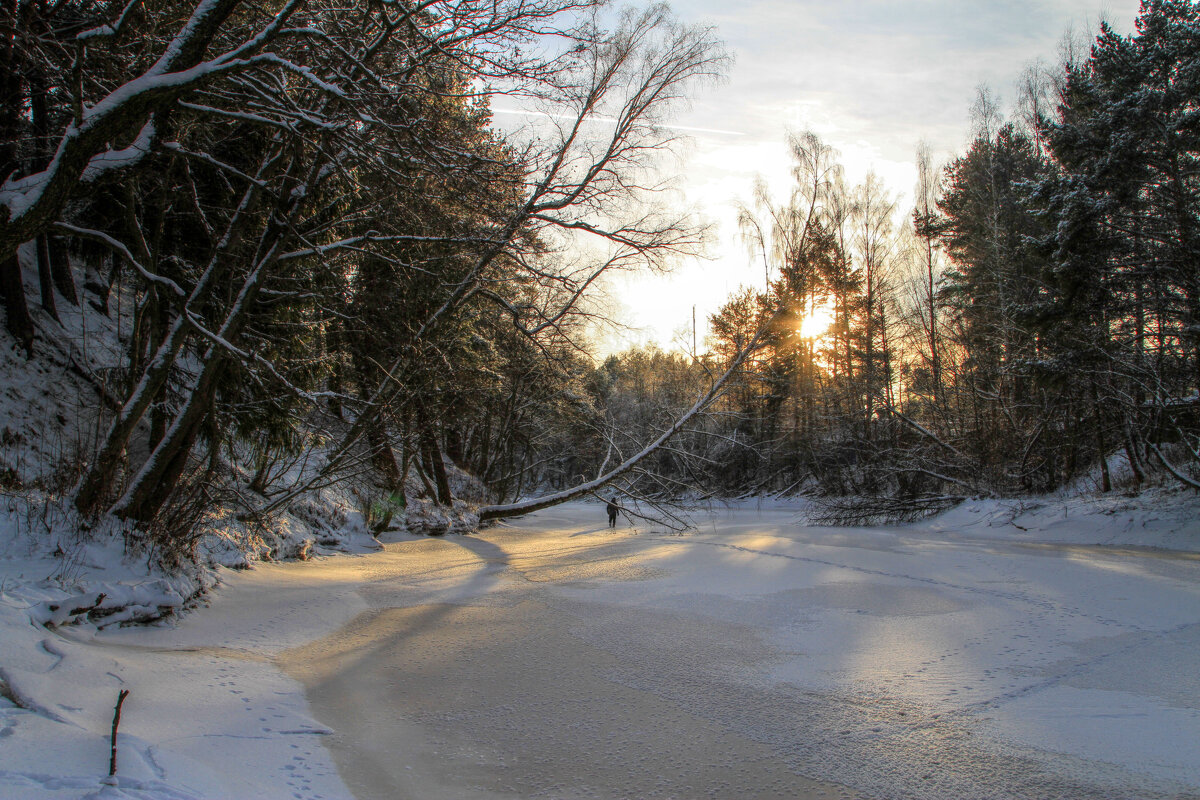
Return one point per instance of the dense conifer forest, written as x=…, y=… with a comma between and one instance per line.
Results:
x=328, y=265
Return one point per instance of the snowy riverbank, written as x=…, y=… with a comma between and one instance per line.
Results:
x=1019, y=645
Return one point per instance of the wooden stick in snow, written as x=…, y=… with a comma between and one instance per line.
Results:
x=112, y=759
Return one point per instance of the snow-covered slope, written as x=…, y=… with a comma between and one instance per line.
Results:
x=48, y=402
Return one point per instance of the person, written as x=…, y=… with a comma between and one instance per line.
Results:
x=612, y=508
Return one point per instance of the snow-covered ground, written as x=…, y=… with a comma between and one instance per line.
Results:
x=1003, y=650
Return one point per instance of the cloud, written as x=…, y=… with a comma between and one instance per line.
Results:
x=872, y=77
x=883, y=69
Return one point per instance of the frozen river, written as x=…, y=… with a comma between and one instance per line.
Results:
x=760, y=658
x=1005, y=650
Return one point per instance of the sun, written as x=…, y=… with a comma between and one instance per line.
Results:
x=816, y=322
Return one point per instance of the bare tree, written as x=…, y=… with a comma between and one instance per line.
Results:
x=319, y=126
x=588, y=186
x=925, y=227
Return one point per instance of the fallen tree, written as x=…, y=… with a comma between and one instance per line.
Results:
x=593, y=486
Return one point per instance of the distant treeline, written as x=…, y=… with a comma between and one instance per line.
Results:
x=1037, y=315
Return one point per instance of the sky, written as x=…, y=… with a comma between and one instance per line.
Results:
x=873, y=78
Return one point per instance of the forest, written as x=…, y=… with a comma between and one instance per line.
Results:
x=328, y=265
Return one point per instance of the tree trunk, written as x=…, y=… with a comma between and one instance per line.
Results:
x=1131, y=452
x=17, y=317
x=157, y=328
x=97, y=482
x=54, y=269
x=60, y=270
x=436, y=465
x=423, y=475
x=157, y=479
x=383, y=456
x=11, y=90
x=1105, y=477
x=214, y=442
x=45, y=281
x=401, y=486
x=38, y=127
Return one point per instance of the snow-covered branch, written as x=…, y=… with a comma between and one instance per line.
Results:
x=105, y=239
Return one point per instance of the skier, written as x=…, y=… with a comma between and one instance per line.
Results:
x=612, y=508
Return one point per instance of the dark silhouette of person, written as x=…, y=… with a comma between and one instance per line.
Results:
x=612, y=508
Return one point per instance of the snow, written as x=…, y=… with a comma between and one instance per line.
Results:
x=208, y=716
x=64, y=588
x=1061, y=633
x=109, y=160
x=47, y=403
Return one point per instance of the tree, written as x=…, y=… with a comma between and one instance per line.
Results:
x=581, y=183
x=1127, y=236
x=305, y=134
x=926, y=227
x=380, y=221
